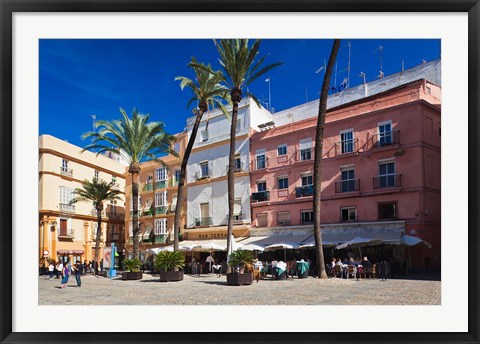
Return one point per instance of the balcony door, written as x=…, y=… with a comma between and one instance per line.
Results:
x=204, y=212
x=385, y=134
x=63, y=227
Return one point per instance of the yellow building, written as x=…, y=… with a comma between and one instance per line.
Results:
x=68, y=232
x=158, y=188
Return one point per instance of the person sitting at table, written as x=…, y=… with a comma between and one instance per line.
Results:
x=274, y=262
x=331, y=266
x=366, y=263
x=291, y=266
x=352, y=262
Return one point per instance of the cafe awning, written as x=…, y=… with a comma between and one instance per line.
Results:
x=70, y=252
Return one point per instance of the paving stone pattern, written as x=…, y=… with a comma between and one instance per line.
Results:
x=213, y=290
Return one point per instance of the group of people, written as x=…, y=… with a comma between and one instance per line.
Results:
x=209, y=265
x=359, y=266
x=290, y=267
x=65, y=270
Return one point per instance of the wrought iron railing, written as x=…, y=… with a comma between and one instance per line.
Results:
x=386, y=138
x=66, y=171
x=347, y=185
x=304, y=191
x=346, y=146
x=67, y=207
x=387, y=181
x=203, y=221
x=305, y=154
x=261, y=196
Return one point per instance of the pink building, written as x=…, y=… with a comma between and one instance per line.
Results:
x=380, y=176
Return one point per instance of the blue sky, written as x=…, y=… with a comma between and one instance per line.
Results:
x=79, y=78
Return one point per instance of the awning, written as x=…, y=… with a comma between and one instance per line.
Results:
x=408, y=240
x=264, y=241
x=146, y=235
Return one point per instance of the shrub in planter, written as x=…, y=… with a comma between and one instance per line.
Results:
x=132, y=267
x=238, y=260
x=169, y=265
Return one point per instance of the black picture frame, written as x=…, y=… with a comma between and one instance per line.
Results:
x=9, y=7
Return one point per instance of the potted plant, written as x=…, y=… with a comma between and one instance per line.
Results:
x=170, y=265
x=132, y=267
x=239, y=259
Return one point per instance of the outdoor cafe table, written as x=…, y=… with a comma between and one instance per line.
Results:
x=302, y=269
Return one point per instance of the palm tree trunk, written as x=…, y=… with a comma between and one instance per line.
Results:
x=317, y=172
x=97, y=239
x=236, y=96
x=135, y=216
x=181, y=182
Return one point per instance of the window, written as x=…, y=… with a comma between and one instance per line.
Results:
x=386, y=173
x=237, y=209
x=204, y=169
x=237, y=165
x=95, y=176
x=176, y=176
x=66, y=195
x=385, y=134
x=161, y=199
x=261, y=186
x=348, y=180
x=149, y=179
x=387, y=211
x=139, y=205
x=262, y=220
x=176, y=147
x=346, y=141
x=307, y=180
x=161, y=174
x=239, y=125
x=307, y=216
x=64, y=165
x=348, y=214
x=261, y=159
x=283, y=182
x=204, y=135
x=174, y=202
x=305, y=149
x=282, y=150
x=160, y=227
x=283, y=217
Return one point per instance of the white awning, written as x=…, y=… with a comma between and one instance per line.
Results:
x=146, y=235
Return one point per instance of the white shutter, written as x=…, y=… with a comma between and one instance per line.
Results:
x=130, y=229
x=174, y=203
x=237, y=206
x=305, y=144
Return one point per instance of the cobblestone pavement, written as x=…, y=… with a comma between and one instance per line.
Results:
x=213, y=290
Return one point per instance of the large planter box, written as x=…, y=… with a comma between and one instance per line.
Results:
x=171, y=276
x=128, y=275
x=239, y=279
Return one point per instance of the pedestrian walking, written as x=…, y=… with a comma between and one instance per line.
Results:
x=59, y=269
x=65, y=275
x=77, y=269
x=84, y=267
x=101, y=265
x=51, y=269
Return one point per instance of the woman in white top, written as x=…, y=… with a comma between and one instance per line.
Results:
x=51, y=268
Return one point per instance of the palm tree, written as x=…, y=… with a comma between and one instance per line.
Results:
x=207, y=91
x=135, y=139
x=97, y=192
x=238, y=62
x=317, y=167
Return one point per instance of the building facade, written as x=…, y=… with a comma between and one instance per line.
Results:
x=380, y=170
x=68, y=232
x=207, y=191
x=158, y=184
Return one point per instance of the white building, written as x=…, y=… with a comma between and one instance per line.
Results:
x=207, y=195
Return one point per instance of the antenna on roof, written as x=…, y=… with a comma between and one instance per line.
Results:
x=94, y=118
x=324, y=67
x=380, y=49
x=363, y=75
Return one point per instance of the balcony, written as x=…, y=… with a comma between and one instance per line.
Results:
x=238, y=217
x=70, y=208
x=66, y=171
x=348, y=185
x=148, y=187
x=161, y=184
x=387, y=181
x=203, y=221
x=346, y=147
x=94, y=212
x=239, y=167
x=386, y=139
x=66, y=233
x=202, y=175
x=305, y=154
x=259, y=163
x=173, y=182
x=146, y=213
x=160, y=210
x=114, y=237
x=304, y=191
x=261, y=196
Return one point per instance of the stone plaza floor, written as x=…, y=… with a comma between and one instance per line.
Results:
x=212, y=290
